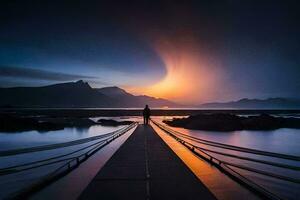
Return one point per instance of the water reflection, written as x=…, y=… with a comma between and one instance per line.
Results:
x=13, y=182
x=35, y=138
x=284, y=141
x=218, y=183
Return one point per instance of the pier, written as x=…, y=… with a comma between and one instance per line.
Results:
x=145, y=168
x=147, y=162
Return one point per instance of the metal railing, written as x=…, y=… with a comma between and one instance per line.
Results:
x=70, y=160
x=192, y=143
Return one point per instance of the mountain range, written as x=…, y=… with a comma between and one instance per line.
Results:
x=81, y=95
x=76, y=95
x=269, y=103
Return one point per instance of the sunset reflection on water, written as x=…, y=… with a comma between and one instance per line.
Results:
x=285, y=141
x=219, y=184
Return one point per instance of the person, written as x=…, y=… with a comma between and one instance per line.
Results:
x=146, y=114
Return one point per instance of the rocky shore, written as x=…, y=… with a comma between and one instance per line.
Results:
x=13, y=123
x=230, y=122
x=110, y=122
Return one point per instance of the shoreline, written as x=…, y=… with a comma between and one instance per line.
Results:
x=107, y=112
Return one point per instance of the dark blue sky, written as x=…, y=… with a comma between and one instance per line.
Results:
x=250, y=48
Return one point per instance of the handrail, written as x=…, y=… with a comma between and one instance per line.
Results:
x=13, y=169
x=252, y=159
x=230, y=155
x=226, y=167
x=231, y=147
x=55, y=146
x=243, y=167
x=291, y=167
x=273, y=175
x=59, y=172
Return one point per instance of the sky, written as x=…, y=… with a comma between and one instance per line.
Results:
x=186, y=51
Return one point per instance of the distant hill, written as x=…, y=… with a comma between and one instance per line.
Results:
x=72, y=94
x=81, y=95
x=75, y=94
x=128, y=100
x=270, y=103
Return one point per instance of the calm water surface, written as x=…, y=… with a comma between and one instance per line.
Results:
x=284, y=141
x=11, y=183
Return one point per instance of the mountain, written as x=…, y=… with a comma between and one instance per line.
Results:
x=75, y=94
x=128, y=100
x=72, y=94
x=270, y=103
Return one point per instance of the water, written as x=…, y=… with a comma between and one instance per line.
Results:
x=11, y=183
x=35, y=138
x=284, y=141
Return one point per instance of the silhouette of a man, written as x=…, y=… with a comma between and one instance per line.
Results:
x=146, y=114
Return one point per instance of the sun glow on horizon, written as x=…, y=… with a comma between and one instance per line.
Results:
x=190, y=78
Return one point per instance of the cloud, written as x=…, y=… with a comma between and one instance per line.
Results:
x=37, y=74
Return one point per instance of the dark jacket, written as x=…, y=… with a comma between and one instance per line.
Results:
x=146, y=112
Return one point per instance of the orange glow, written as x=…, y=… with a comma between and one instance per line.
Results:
x=190, y=76
x=206, y=173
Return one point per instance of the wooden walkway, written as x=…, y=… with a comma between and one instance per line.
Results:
x=144, y=167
